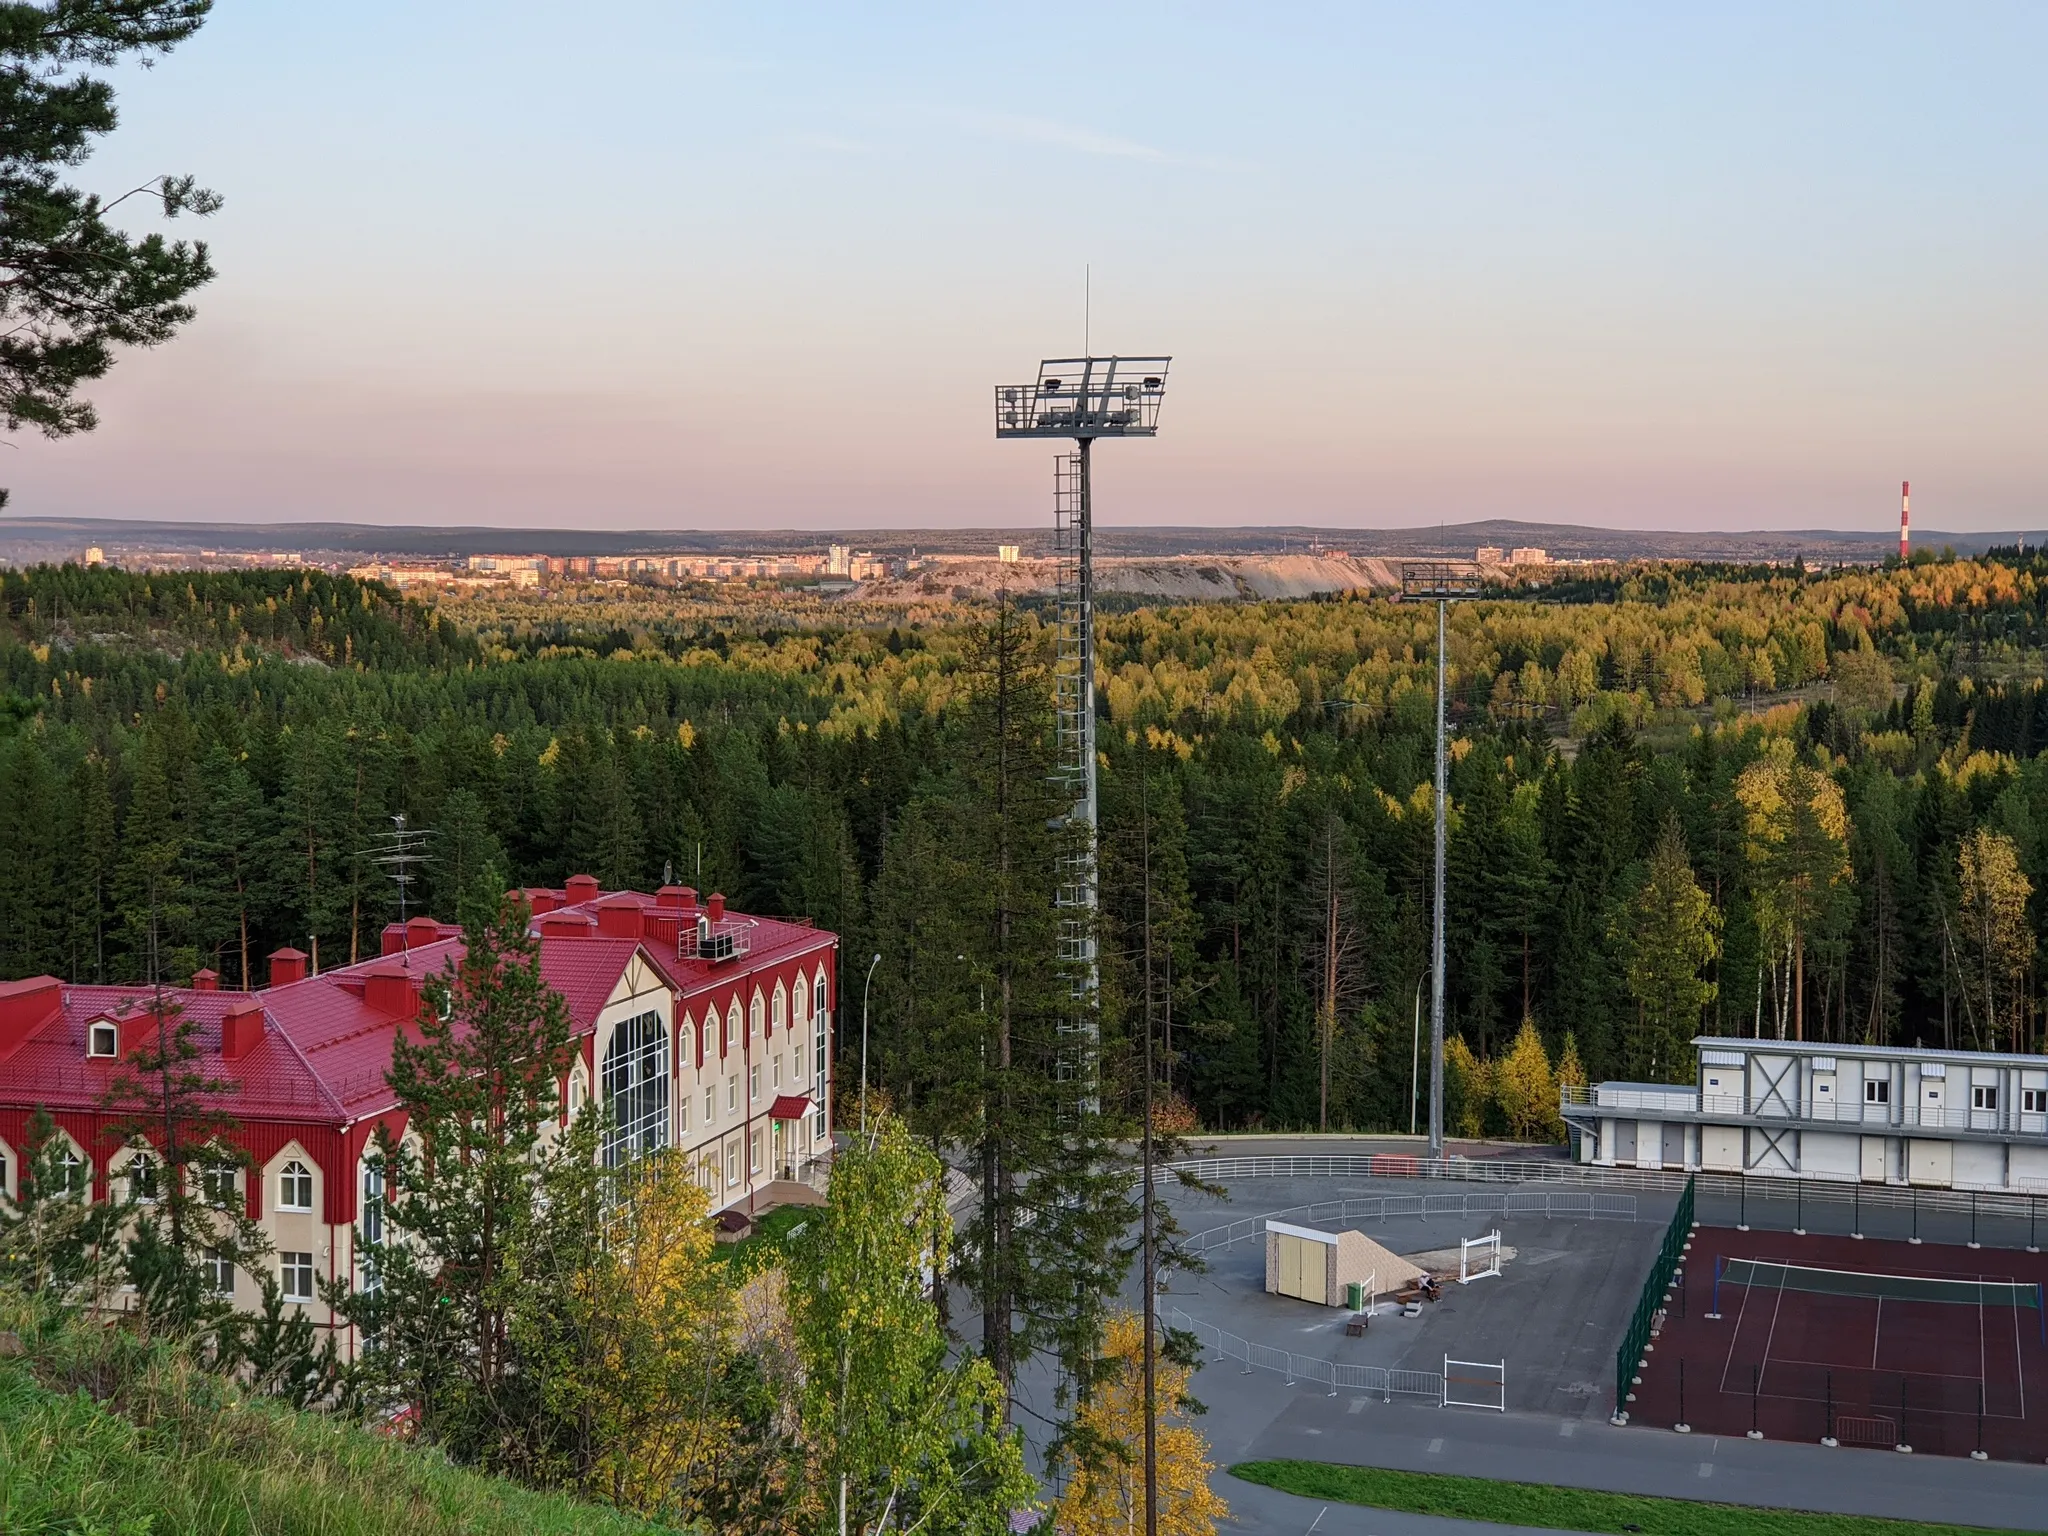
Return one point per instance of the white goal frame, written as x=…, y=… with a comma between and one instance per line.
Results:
x=1490, y=1243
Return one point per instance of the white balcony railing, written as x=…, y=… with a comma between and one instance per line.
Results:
x=1651, y=1102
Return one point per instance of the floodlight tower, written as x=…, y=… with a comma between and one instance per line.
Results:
x=1443, y=582
x=1082, y=398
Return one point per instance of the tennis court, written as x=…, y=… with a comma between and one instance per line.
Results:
x=1880, y=1344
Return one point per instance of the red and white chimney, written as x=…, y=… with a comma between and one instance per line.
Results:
x=1905, y=501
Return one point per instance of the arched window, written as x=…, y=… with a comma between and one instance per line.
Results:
x=71, y=1168
x=142, y=1178
x=636, y=1089
x=800, y=1000
x=818, y=993
x=710, y=1037
x=732, y=1023
x=779, y=1008
x=295, y=1187
x=755, y=1012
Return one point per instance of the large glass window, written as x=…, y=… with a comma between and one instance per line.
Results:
x=636, y=1089
x=295, y=1272
x=373, y=1202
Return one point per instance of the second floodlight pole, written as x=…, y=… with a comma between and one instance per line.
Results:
x=1436, y=958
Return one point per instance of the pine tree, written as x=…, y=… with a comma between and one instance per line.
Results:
x=57, y=1243
x=77, y=288
x=1666, y=936
x=481, y=1086
x=89, y=868
x=227, y=867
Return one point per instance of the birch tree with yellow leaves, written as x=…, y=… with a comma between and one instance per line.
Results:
x=1996, y=939
x=1106, y=1495
x=1796, y=841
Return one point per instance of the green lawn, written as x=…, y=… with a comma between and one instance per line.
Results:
x=1575, y=1509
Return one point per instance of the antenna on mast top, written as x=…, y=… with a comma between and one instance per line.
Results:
x=399, y=851
x=1087, y=304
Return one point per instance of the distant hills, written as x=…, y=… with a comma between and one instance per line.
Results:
x=25, y=540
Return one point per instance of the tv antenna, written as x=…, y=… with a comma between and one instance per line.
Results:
x=1082, y=398
x=400, y=851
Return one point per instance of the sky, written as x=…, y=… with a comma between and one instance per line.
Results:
x=665, y=265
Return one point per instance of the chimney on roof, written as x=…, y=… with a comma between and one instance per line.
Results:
x=422, y=931
x=393, y=990
x=567, y=925
x=619, y=919
x=136, y=1028
x=242, y=1030
x=718, y=906
x=675, y=896
x=539, y=902
x=287, y=965
x=580, y=888
x=206, y=980
x=25, y=1007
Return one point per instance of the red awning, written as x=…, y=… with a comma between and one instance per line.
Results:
x=790, y=1106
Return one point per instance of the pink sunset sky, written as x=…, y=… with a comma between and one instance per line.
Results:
x=1677, y=267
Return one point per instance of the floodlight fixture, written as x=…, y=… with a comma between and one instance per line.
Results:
x=1442, y=582
x=1085, y=398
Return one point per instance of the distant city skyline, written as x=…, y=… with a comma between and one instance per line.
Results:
x=1729, y=268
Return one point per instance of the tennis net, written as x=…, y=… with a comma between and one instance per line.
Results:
x=1767, y=1274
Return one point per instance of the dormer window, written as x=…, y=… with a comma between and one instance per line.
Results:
x=102, y=1040
x=295, y=1187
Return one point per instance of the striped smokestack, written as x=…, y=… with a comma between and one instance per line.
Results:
x=1905, y=496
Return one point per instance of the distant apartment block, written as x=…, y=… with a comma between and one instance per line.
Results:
x=1489, y=554
x=1528, y=555
x=838, y=560
x=1007, y=553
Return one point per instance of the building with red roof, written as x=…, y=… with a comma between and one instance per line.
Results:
x=702, y=1029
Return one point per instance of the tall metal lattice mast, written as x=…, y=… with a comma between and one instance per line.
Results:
x=1083, y=399
x=1442, y=582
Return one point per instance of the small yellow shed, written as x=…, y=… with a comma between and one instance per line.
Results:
x=1319, y=1266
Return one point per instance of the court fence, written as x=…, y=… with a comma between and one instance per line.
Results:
x=1628, y=1360
x=1483, y=1382
x=1991, y=1217
x=1555, y=1204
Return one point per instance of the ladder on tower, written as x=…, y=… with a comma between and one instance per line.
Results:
x=1074, y=895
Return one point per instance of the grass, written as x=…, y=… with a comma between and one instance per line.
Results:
x=104, y=1436
x=1575, y=1509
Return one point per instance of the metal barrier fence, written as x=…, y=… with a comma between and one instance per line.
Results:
x=1996, y=1218
x=1554, y=1204
x=1629, y=1358
x=1338, y=1377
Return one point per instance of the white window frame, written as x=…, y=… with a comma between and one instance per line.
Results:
x=710, y=1038
x=293, y=1173
x=217, y=1272
x=1984, y=1096
x=371, y=1218
x=754, y=1083
x=732, y=1094
x=106, y=1034
x=2034, y=1101
x=757, y=1014
x=800, y=1001
x=710, y=1105
x=1877, y=1090
x=77, y=1171
x=217, y=1180
x=734, y=1022
x=141, y=1166
x=293, y=1264
x=778, y=1007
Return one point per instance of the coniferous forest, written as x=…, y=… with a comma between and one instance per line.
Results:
x=1683, y=799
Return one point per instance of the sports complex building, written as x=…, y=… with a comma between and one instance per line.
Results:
x=699, y=1028
x=1967, y=1120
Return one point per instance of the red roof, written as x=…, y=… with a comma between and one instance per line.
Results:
x=790, y=1106
x=324, y=1048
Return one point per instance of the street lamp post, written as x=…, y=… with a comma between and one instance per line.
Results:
x=864, y=1041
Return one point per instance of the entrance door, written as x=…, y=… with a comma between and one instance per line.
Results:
x=1674, y=1146
x=1290, y=1264
x=1624, y=1141
x=1932, y=1163
x=1873, y=1159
